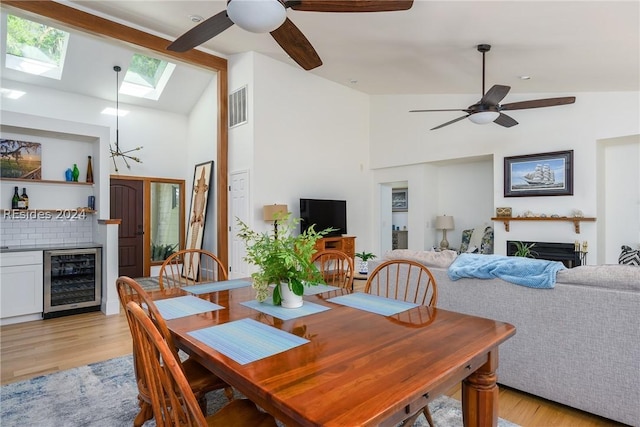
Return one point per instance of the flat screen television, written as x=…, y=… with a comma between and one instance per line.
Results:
x=324, y=214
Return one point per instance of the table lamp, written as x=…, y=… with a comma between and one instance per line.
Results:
x=444, y=223
x=273, y=213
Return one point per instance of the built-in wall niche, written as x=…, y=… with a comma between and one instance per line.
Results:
x=399, y=206
x=58, y=152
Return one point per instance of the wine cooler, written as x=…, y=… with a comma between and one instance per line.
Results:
x=72, y=281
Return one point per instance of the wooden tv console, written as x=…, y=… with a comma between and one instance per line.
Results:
x=346, y=244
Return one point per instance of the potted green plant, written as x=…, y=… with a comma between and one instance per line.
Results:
x=283, y=259
x=524, y=250
x=363, y=265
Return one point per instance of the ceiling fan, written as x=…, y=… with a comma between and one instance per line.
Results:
x=489, y=109
x=262, y=16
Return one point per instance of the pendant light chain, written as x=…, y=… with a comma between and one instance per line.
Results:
x=117, y=152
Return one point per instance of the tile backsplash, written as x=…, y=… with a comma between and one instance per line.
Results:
x=44, y=230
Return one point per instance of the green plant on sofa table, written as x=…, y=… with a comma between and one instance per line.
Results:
x=365, y=256
x=363, y=266
x=524, y=250
x=282, y=257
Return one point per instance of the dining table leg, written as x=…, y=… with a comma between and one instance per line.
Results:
x=480, y=394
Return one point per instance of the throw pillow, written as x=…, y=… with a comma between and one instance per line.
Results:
x=487, y=241
x=476, y=238
x=466, y=238
x=629, y=256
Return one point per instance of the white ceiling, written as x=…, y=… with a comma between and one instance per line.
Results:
x=565, y=46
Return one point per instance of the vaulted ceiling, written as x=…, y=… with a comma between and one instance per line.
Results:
x=564, y=46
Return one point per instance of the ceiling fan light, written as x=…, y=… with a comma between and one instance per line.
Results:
x=484, y=117
x=257, y=16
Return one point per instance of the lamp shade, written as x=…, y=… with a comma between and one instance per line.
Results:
x=257, y=16
x=444, y=222
x=484, y=117
x=271, y=212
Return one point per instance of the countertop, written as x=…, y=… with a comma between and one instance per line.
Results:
x=49, y=247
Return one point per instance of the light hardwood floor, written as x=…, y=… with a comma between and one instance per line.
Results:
x=41, y=347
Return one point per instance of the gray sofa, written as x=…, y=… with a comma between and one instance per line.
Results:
x=577, y=344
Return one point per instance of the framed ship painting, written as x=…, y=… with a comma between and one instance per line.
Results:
x=197, y=216
x=544, y=174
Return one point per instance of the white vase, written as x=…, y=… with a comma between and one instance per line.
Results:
x=363, y=267
x=289, y=299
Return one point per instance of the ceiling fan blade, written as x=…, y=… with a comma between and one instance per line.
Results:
x=202, y=32
x=450, y=122
x=430, y=111
x=292, y=41
x=349, y=5
x=504, y=120
x=538, y=103
x=495, y=95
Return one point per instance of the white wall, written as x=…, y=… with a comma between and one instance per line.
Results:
x=465, y=191
x=618, y=196
x=575, y=127
x=307, y=137
x=158, y=132
x=202, y=142
x=241, y=148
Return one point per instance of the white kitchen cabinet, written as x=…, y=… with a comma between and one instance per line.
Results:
x=21, y=286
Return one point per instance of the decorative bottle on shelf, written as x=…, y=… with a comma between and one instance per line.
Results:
x=89, y=171
x=15, y=200
x=75, y=172
x=20, y=203
x=68, y=175
x=24, y=199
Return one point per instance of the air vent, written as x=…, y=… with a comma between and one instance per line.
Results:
x=238, y=107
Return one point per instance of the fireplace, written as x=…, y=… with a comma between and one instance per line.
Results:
x=564, y=252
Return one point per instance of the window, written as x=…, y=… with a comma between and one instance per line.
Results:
x=35, y=48
x=146, y=77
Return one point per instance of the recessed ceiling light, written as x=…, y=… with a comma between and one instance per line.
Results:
x=525, y=77
x=11, y=94
x=115, y=112
x=196, y=18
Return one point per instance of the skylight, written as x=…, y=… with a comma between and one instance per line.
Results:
x=35, y=48
x=146, y=77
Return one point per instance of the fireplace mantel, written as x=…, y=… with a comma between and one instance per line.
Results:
x=576, y=220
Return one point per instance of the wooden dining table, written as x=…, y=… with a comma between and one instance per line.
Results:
x=356, y=368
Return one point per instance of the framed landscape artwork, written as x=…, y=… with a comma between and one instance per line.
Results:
x=400, y=200
x=544, y=174
x=20, y=159
x=197, y=216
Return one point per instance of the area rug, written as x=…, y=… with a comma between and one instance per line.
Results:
x=105, y=394
x=148, y=283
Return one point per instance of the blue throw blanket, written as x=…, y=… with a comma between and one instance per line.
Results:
x=534, y=273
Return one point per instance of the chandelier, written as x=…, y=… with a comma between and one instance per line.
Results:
x=115, y=150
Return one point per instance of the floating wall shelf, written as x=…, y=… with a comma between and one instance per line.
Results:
x=45, y=181
x=576, y=220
